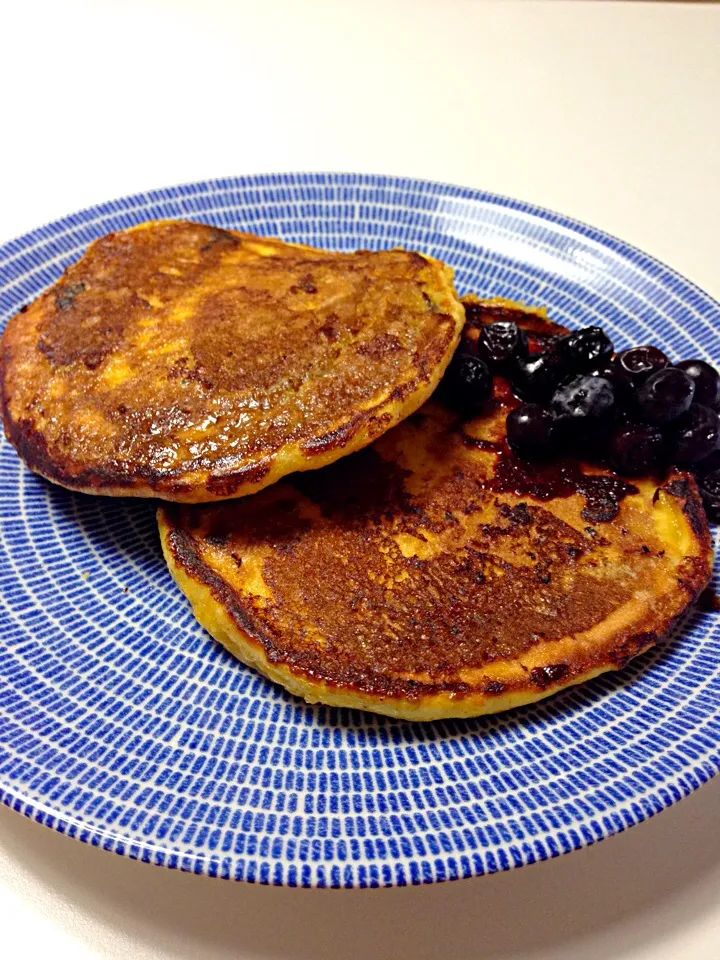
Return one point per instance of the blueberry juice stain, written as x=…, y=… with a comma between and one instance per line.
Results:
x=562, y=478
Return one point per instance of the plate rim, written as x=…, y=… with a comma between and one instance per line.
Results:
x=208, y=864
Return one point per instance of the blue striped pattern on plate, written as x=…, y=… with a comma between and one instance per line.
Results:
x=123, y=724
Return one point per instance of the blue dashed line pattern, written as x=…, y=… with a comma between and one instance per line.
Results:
x=122, y=723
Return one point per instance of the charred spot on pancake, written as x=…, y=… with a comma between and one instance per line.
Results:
x=65, y=296
x=225, y=486
x=600, y=509
x=628, y=647
x=329, y=441
x=181, y=371
x=330, y=327
x=31, y=444
x=552, y=673
x=379, y=346
x=216, y=235
x=429, y=301
x=686, y=489
x=305, y=284
x=217, y=539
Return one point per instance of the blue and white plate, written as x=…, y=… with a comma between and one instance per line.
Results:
x=122, y=723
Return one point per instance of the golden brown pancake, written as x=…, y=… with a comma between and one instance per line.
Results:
x=435, y=574
x=181, y=361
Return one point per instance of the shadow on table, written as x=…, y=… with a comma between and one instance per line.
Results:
x=643, y=886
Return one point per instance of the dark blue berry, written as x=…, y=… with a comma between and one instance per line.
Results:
x=467, y=384
x=639, y=363
x=581, y=350
x=665, y=395
x=695, y=435
x=635, y=448
x=625, y=397
x=585, y=398
x=706, y=380
x=708, y=464
x=501, y=342
x=531, y=430
x=535, y=378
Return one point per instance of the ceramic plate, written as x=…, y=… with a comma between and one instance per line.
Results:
x=122, y=723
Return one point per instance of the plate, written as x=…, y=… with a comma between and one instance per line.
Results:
x=122, y=723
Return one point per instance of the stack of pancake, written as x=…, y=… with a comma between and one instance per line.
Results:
x=332, y=524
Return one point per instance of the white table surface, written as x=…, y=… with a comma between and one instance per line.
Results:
x=609, y=112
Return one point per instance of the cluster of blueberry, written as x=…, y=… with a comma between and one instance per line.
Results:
x=634, y=410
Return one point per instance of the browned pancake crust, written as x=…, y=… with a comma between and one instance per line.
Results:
x=433, y=575
x=191, y=363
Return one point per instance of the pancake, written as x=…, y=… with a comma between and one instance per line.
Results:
x=181, y=361
x=434, y=574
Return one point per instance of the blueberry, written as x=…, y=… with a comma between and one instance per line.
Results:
x=467, y=384
x=635, y=448
x=501, y=342
x=706, y=380
x=581, y=350
x=708, y=464
x=625, y=398
x=584, y=399
x=531, y=430
x=535, y=378
x=710, y=492
x=639, y=363
x=695, y=435
x=665, y=395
